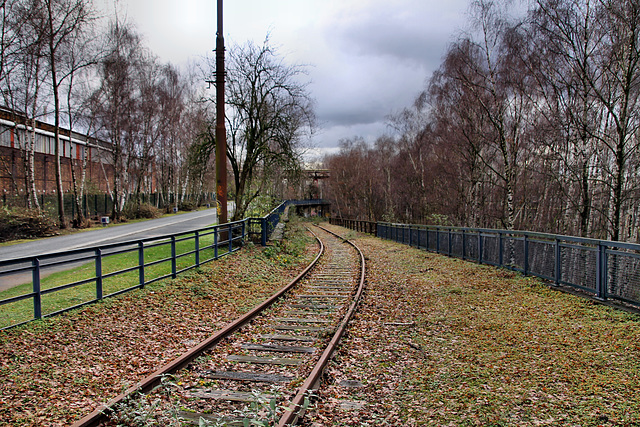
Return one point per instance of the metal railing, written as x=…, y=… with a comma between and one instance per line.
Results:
x=43, y=289
x=608, y=270
x=108, y=270
x=268, y=223
x=368, y=227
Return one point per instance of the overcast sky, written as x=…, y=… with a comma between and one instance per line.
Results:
x=368, y=58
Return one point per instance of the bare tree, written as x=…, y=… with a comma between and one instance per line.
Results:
x=23, y=75
x=63, y=20
x=412, y=125
x=114, y=105
x=174, y=137
x=491, y=106
x=617, y=87
x=269, y=114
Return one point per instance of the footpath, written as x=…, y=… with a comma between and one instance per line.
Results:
x=436, y=341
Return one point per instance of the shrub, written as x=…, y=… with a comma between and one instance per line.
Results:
x=187, y=206
x=134, y=210
x=20, y=223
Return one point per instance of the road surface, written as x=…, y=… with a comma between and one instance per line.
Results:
x=109, y=234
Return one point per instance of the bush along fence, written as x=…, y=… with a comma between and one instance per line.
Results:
x=51, y=284
x=608, y=270
x=95, y=205
x=269, y=222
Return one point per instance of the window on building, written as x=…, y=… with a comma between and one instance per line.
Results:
x=5, y=136
x=41, y=142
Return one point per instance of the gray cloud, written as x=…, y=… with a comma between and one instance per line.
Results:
x=369, y=57
x=405, y=35
x=375, y=61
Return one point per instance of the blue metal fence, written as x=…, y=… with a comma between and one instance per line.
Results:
x=178, y=253
x=182, y=252
x=269, y=222
x=608, y=270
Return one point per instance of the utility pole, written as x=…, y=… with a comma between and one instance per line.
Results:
x=221, y=132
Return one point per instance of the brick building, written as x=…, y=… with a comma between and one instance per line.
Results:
x=13, y=139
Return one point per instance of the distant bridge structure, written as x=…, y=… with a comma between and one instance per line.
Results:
x=314, y=182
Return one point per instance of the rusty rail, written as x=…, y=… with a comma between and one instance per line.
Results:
x=296, y=409
x=101, y=413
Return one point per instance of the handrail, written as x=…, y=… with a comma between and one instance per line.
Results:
x=606, y=269
x=180, y=252
x=185, y=250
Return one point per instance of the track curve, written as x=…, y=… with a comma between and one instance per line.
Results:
x=238, y=369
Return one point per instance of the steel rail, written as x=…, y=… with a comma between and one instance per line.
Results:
x=101, y=413
x=296, y=409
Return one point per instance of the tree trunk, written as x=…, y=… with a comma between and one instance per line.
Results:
x=79, y=221
x=55, y=85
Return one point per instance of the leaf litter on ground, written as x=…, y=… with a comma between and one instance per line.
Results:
x=57, y=370
x=436, y=341
x=441, y=341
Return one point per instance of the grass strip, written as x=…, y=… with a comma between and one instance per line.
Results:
x=21, y=311
x=57, y=370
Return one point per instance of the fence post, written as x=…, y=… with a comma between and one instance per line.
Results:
x=230, y=237
x=449, y=242
x=437, y=239
x=558, y=266
x=601, y=273
x=141, y=263
x=464, y=245
x=480, y=247
x=426, y=231
x=37, y=295
x=263, y=238
x=173, y=257
x=197, y=249
x=500, y=251
x=410, y=237
x=215, y=242
x=526, y=255
x=99, y=273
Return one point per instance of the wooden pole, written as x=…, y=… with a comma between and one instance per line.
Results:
x=221, y=133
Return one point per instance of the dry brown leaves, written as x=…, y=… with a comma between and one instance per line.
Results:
x=440, y=341
x=56, y=371
x=436, y=341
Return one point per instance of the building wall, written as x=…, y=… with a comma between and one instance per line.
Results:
x=13, y=179
x=73, y=146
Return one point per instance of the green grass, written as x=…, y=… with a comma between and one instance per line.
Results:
x=21, y=311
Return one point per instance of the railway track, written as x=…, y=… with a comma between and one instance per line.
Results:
x=261, y=369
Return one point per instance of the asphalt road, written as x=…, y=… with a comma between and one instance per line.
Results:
x=109, y=234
